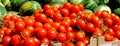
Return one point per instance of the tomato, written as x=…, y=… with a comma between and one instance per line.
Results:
x=15, y=40
x=79, y=43
x=37, y=41
x=107, y=37
x=81, y=24
x=41, y=17
x=80, y=36
x=70, y=35
x=8, y=32
x=73, y=22
x=45, y=41
x=81, y=6
x=110, y=31
x=21, y=43
x=1, y=45
x=55, y=24
x=47, y=6
x=99, y=24
x=6, y=17
x=94, y=19
x=116, y=27
x=90, y=27
x=52, y=33
x=117, y=34
x=6, y=41
x=108, y=22
x=30, y=28
x=20, y=25
x=18, y=19
x=98, y=13
x=65, y=12
x=67, y=5
x=47, y=26
x=38, y=24
x=61, y=37
x=65, y=23
x=73, y=15
x=67, y=19
x=28, y=22
x=81, y=15
x=69, y=44
x=49, y=20
x=57, y=17
x=104, y=14
x=97, y=32
x=61, y=28
x=86, y=41
x=29, y=42
x=11, y=24
x=115, y=19
x=49, y=12
x=69, y=29
x=26, y=33
x=13, y=18
x=75, y=8
x=41, y=32
x=55, y=9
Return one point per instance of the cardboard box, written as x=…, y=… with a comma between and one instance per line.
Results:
x=93, y=41
x=102, y=42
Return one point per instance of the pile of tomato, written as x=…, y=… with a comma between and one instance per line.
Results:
x=67, y=24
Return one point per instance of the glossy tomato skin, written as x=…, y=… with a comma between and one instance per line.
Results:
x=90, y=27
x=108, y=22
x=61, y=37
x=117, y=34
x=37, y=41
x=65, y=12
x=110, y=31
x=80, y=36
x=47, y=26
x=75, y=8
x=41, y=17
x=57, y=17
x=70, y=35
x=81, y=6
x=29, y=42
x=67, y=5
x=41, y=32
x=52, y=33
x=26, y=33
x=49, y=12
x=6, y=41
x=45, y=41
x=15, y=40
x=28, y=21
x=79, y=43
x=20, y=25
x=81, y=24
x=61, y=28
x=8, y=32
x=38, y=24
x=108, y=37
x=69, y=44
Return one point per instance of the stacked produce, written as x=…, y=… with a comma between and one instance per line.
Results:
x=68, y=24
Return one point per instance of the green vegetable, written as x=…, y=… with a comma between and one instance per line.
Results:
x=76, y=1
x=9, y=6
x=103, y=7
x=3, y=11
x=29, y=7
x=91, y=4
x=102, y=1
x=117, y=11
x=16, y=4
x=57, y=2
x=88, y=10
x=1, y=4
x=5, y=2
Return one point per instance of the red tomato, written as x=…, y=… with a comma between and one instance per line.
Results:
x=104, y=14
x=47, y=6
x=6, y=41
x=73, y=22
x=49, y=20
x=65, y=12
x=21, y=43
x=94, y=19
x=98, y=13
x=70, y=35
x=61, y=37
x=54, y=8
x=75, y=8
x=80, y=43
x=20, y=25
x=73, y=15
x=61, y=28
x=47, y=26
x=28, y=22
x=1, y=45
x=107, y=37
x=108, y=22
x=69, y=29
x=67, y=5
x=26, y=33
x=15, y=40
x=41, y=32
x=41, y=17
x=49, y=12
x=110, y=31
x=115, y=19
x=38, y=24
x=90, y=27
x=81, y=24
x=11, y=24
x=69, y=44
x=81, y=6
x=115, y=27
x=6, y=17
x=65, y=23
x=52, y=33
x=29, y=42
x=13, y=18
x=117, y=34
x=57, y=17
x=30, y=28
x=80, y=36
x=37, y=41
x=86, y=41
x=45, y=41
x=97, y=32
x=8, y=31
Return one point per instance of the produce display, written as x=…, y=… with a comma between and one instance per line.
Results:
x=70, y=22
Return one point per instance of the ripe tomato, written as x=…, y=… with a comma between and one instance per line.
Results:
x=98, y=13
x=29, y=42
x=81, y=6
x=8, y=32
x=6, y=41
x=90, y=27
x=79, y=43
x=41, y=32
x=45, y=41
x=69, y=44
x=38, y=24
x=67, y=5
x=70, y=35
x=30, y=28
x=52, y=33
x=15, y=40
x=28, y=22
x=61, y=37
x=26, y=33
x=7, y=17
x=107, y=37
x=41, y=17
x=47, y=26
x=94, y=19
x=73, y=22
x=1, y=45
x=37, y=41
x=75, y=8
x=55, y=24
x=110, y=31
x=49, y=12
x=86, y=41
x=49, y=20
x=117, y=34
x=80, y=36
x=57, y=17
x=104, y=14
x=115, y=19
x=21, y=43
x=47, y=6
x=13, y=18
x=61, y=28
x=20, y=25
x=73, y=15
x=65, y=12
x=54, y=8
x=69, y=29
x=65, y=23
x=97, y=32
x=108, y=22
x=11, y=24
x=81, y=24
x=115, y=27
